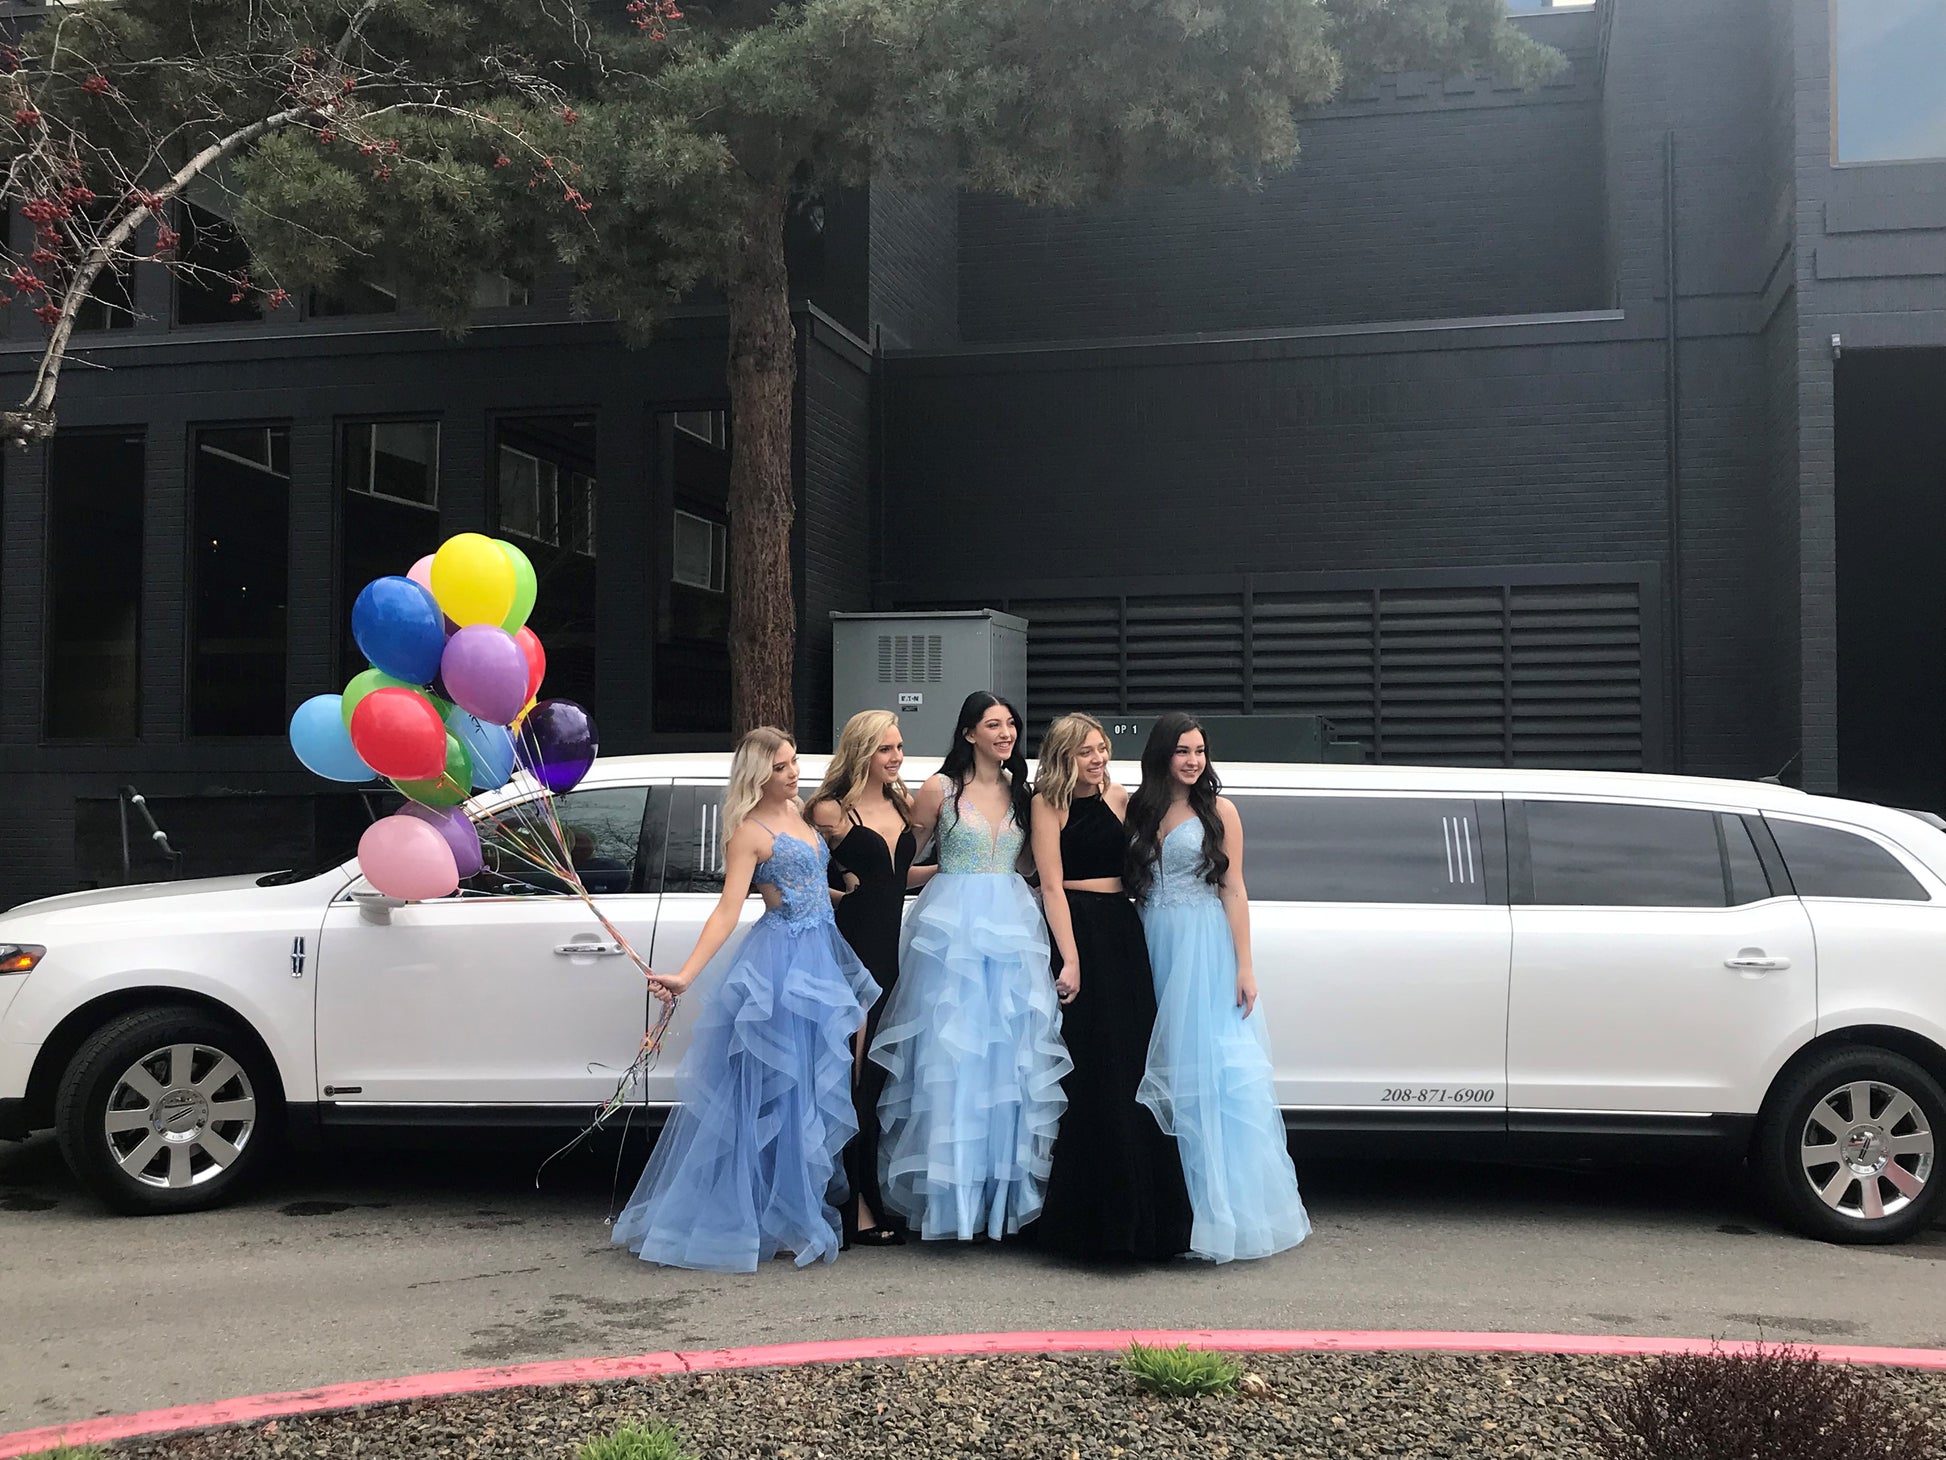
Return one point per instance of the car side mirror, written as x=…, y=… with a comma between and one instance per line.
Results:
x=376, y=907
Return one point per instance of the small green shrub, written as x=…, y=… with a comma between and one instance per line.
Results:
x=69, y=1452
x=633, y=1442
x=1180, y=1371
x=1775, y=1401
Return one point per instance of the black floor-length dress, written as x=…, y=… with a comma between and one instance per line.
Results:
x=869, y=918
x=1116, y=1189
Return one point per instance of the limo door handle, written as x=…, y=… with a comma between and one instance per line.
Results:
x=589, y=950
x=1754, y=960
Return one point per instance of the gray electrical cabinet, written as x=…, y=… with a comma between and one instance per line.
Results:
x=922, y=665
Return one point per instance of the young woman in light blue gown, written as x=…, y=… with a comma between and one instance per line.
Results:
x=748, y=1166
x=1208, y=1078
x=970, y=1038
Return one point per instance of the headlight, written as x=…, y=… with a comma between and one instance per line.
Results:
x=20, y=957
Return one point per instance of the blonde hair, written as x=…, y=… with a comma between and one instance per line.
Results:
x=848, y=776
x=1059, y=768
x=749, y=774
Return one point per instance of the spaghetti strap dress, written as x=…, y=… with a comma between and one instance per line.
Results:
x=971, y=1043
x=1116, y=1188
x=748, y=1165
x=868, y=916
x=1209, y=1075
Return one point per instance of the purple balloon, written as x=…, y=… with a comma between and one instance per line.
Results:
x=458, y=829
x=485, y=673
x=557, y=743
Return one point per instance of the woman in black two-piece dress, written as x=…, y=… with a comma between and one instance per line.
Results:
x=864, y=812
x=1116, y=1189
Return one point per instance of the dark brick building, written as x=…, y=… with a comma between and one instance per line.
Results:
x=1509, y=427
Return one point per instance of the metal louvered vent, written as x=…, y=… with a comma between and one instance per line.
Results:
x=909, y=659
x=1495, y=672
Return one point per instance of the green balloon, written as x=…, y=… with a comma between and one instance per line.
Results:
x=448, y=789
x=364, y=683
x=525, y=586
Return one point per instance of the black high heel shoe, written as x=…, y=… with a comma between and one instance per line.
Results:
x=878, y=1237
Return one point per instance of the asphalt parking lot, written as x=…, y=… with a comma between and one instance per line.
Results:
x=367, y=1265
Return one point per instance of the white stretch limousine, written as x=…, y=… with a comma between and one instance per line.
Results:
x=1457, y=961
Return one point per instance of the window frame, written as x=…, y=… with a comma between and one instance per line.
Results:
x=719, y=551
x=348, y=424
x=1520, y=851
x=1921, y=875
x=1489, y=829
x=1833, y=158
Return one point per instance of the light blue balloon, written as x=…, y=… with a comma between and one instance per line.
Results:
x=492, y=748
x=322, y=742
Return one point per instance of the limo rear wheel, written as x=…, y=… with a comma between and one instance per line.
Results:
x=1848, y=1147
x=167, y=1110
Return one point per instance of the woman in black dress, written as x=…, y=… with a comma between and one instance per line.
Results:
x=865, y=812
x=1116, y=1189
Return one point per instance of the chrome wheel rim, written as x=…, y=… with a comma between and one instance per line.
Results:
x=179, y=1116
x=1867, y=1150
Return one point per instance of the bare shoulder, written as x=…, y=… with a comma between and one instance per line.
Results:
x=1226, y=812
x=1117, y=796
x=825, y=815
x=753, y=838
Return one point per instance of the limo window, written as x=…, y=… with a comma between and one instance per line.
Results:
x=602, y=829
x=1826, y=862
x=1362, y=849
x=694, y=859
x=1604, y=854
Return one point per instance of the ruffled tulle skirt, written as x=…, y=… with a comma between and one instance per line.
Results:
x=1208, y=1080
x=970, y=1041
x=748, y=1165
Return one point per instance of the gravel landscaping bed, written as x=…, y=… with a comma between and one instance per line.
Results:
x=1049, y=1408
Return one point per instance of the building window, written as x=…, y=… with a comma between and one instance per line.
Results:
x=354, y=294
x=395, y=459
x=214, y=259
x=94, y=587
x=1889, y=80
x=710, y=427
x=547, y=502
x=701, y=547
x=545, y=470
x=241, y=561
x=502, y=291
x=388, y=478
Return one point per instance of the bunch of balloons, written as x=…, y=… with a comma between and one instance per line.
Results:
x=448, y=708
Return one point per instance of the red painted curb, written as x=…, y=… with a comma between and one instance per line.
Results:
x=591, y=1371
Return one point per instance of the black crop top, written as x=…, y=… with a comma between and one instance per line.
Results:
x=1092, y=841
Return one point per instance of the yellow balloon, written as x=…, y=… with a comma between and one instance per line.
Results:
x=473, y=580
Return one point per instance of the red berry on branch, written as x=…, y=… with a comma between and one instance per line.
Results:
x=78, y=195
x=27, y=116
x=25, y=280
x=368, y=149
x=393, y=146
x=44, y=257
x=97, y=86
x=383, y=174
x=277, y=298
x=570, y=115
x=502, y=160
x=47, y=314
x=327, y=136
x=237, y=298
x=547, y=162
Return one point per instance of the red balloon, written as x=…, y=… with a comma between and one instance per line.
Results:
x=398, y=733
x=530, y=645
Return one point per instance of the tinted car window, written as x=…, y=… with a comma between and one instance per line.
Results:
x=600, y=829
x=1600, y=854
x=1361, y=849
x=1826, y=862
x=1747, y=880
x=694, y=860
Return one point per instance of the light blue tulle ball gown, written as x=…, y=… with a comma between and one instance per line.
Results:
x=1208, y=1078
x=749, y=1164
x=971, y=1045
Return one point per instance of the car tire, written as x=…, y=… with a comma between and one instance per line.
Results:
x=1846, y=1147
x=168, y=1109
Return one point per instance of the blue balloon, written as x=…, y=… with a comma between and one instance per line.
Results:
x=322, y=742
x=399, y=627
x=492, y=748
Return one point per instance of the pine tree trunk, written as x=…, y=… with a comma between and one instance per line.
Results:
x=763, y=370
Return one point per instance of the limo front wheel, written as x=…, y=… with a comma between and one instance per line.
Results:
x=1848, y=1148
x=166, y=1110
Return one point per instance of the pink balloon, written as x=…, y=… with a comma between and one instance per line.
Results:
x=456, y=827
x=407, y=858
x=421, y=572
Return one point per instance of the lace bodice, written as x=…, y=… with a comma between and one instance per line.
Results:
x=796, y=869
x=1177, y=880
x=969, y=843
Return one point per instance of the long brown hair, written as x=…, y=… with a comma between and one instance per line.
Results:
x=1150, y=804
